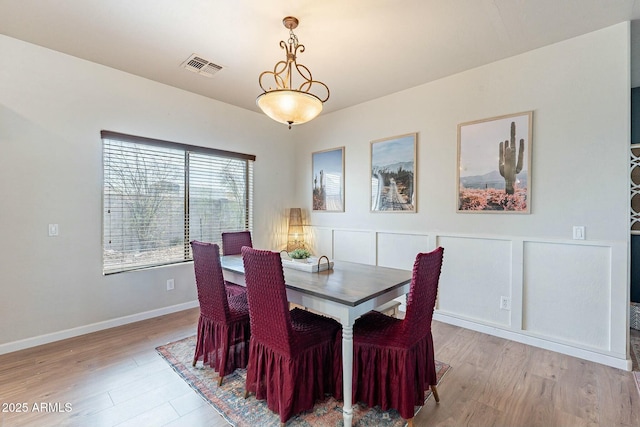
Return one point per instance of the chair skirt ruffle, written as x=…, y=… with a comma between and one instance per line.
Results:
x=290, y=386
x=378, y=372
x=224, y=347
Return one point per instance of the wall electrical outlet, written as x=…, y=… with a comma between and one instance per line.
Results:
x=578, y=232
x=170, y=284
x=505, y=303
x=53, y=230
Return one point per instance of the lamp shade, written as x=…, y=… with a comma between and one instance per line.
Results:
x=291, y=107
x=295, y=238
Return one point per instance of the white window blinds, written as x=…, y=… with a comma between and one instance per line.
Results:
x=158, y=196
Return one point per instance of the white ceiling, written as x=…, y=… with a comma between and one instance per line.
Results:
x=362, y=49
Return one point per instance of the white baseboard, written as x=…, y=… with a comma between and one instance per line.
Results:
x=93, y=327
x=604, y=359
x=592, y=356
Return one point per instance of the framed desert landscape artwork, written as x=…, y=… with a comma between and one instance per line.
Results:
x=328, y=180
x=494, y=164
x=393, y=174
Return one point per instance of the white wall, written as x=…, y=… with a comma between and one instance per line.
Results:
x=566, y=295
x=570, y=296
x=52, y=108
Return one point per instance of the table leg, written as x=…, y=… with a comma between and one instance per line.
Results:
x=347, y=373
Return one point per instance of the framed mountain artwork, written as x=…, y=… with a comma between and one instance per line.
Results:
x=328, y=180
x=393, y=174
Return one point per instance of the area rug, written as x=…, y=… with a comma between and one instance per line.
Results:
x=228, y=400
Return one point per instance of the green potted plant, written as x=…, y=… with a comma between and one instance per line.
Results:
x=300, y=255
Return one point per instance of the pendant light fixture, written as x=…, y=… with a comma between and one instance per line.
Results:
x=286, y=103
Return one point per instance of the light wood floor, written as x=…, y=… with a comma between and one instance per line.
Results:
x=115, y=378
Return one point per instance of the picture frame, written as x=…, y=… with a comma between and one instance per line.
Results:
x=327, y=192
x=494, y=164
x=393, y=174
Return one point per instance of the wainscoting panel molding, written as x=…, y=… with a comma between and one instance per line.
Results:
x=573, y=284
x=322, y=241
x=476, y=273
x=397, y=250
x=569, y=296
x=355, y=246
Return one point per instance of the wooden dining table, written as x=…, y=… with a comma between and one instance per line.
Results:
x=345, y=292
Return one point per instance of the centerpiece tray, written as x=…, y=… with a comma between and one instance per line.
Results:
x=310, y=264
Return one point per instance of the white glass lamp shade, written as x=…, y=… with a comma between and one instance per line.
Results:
x=289, y=106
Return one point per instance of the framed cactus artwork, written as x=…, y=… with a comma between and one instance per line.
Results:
x=494, y=164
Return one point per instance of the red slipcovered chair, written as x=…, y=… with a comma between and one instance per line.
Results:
x=224, y=327
x=290, y=352
x=232, y=243
x=394, y=362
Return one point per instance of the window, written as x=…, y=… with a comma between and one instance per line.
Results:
x=158, y=196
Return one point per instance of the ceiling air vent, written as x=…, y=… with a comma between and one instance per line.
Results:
x=201, y=66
